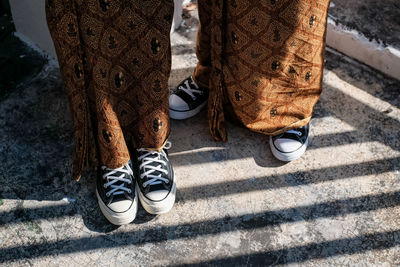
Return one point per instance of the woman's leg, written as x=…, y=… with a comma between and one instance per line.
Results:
x=262, y=62
x=115, y=61
x=192, y=93
x=203, y=44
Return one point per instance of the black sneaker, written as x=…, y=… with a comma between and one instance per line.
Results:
x=290, y=145
x=155, y=183
x=187, y=100
x=116, y=194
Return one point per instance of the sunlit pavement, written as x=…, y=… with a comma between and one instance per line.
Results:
x=236, y=205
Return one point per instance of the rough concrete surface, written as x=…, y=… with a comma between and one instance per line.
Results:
x=368, y=31
x=377, y=20
x=236, y=205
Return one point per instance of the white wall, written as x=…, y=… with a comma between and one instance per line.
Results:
x=30, y=20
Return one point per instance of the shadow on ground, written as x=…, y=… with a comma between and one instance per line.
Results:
x=36, y=145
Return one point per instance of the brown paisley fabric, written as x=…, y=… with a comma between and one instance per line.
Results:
x=263, y=61
x=115, y=59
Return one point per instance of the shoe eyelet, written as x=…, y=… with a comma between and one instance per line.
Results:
x=129, y=191
x=107, y=194
x=104, y=186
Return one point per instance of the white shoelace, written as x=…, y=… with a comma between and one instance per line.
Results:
x=148, y=158
x=117, y=189
x=295, y=132
x=187, y=89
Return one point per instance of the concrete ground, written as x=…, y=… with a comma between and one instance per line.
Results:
x=376, y=20
x=368, y=31
x=236, y=205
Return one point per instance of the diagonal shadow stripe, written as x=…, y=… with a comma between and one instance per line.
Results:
x=28, y=215
x=339, y=139
x=225, y=188
x=379, y=124
x=229, y=153
x=202, y=228
x=287, y=180
x=322, y=250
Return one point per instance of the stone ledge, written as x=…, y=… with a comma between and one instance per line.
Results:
x=354, y=44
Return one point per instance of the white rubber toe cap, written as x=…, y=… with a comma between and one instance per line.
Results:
x=287, y=145
x=176, y=103
x=157, y=195
x=120, y=206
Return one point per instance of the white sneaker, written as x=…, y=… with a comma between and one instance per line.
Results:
x=290, y=145
x=116, y=194
x=187, y=100
x=155, y=183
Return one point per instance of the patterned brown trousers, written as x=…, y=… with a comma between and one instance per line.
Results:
x=115, y=59
x=262, y=60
